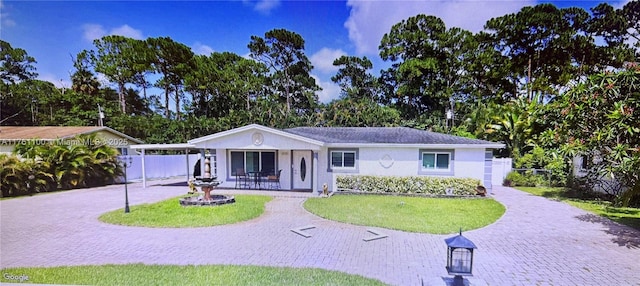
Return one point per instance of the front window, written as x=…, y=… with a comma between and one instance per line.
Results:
x=253, y=161
x=343, y=159
x=435, y=161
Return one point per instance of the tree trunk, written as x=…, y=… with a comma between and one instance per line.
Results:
x=177, y=102
x=121, y=98
x=167, y=113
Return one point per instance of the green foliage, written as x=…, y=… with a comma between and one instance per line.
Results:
x=65, y=164
x=428, y=64
x=282, y=52
x=408, y=185
x=547, y=159
x=601, y=119
x=351, y=112
x=23, y=177
x=528, y=179
x=354, y=80
x=15, y=64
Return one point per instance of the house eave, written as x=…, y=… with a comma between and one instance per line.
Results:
x=414, y=145
x=198, y=141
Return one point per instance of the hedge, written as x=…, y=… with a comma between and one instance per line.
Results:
x=407, y=185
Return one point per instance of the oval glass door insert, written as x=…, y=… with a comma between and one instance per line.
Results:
x=303, y=169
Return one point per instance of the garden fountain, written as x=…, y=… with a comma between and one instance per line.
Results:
x=207, y=183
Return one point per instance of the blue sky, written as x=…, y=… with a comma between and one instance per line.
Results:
x=52, y=31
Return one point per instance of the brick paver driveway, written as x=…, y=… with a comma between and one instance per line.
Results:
x=536, y=242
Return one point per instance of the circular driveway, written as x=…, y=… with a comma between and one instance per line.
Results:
x=536, y=242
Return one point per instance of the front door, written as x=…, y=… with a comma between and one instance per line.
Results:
x=301, y=170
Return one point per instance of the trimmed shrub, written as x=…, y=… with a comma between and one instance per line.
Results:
x=407, y=185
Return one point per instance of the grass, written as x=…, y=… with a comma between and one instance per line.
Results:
x=169, y=213
x=626, y=216
x=140, y=274
x=413, y=214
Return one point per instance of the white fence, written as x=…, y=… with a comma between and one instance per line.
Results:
x=501, y=167
x=160, y=166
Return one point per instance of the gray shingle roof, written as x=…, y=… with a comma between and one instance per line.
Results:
x=380, y=135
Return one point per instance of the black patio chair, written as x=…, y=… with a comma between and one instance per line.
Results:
x=274, y=180
x=242, y=180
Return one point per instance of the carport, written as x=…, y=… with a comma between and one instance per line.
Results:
x=165, y=147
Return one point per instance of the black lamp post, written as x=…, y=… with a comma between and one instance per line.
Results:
x=126, y=163
x=459, y=257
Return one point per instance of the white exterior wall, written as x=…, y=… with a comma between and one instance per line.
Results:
x=244, y=141
x=469, y=163
x=375, y=161
x=399, y=161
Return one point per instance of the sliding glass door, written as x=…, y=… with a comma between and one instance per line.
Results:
x=253, y=161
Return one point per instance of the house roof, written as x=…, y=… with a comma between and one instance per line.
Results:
x=384, y=135
x=54, y=132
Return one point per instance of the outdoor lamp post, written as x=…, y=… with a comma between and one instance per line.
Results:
x=459, y=257
x=126, y=163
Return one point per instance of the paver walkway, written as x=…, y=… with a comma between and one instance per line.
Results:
x=536, y=242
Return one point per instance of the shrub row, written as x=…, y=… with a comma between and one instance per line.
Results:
x=407, y=185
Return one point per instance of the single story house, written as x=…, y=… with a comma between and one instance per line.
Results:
x=10, y=136
x=312, y=156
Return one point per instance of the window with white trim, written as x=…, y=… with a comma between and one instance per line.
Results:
x=343, y=159
x=436, y=161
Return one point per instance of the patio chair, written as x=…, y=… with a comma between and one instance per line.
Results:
x=242, y=180
x=274, y=180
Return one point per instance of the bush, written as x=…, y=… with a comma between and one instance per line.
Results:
x=23, y=177
x=81, y=162
x=407, y=185
x=528, y=179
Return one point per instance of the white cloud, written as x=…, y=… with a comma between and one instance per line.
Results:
x=201, y=49
x=127, y=31
x=55, y=80
x=5, y=18
x=329, y=92
x=370, y=20
x=262, y=6
x=323, y=59
x=93, y=31
x=97, y=31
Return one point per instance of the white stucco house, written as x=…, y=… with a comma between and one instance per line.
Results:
x=312, y=156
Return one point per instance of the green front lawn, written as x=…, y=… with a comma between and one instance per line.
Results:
x=626, y=216
x=169, y=213
x=414, y=214
x=139, y=274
